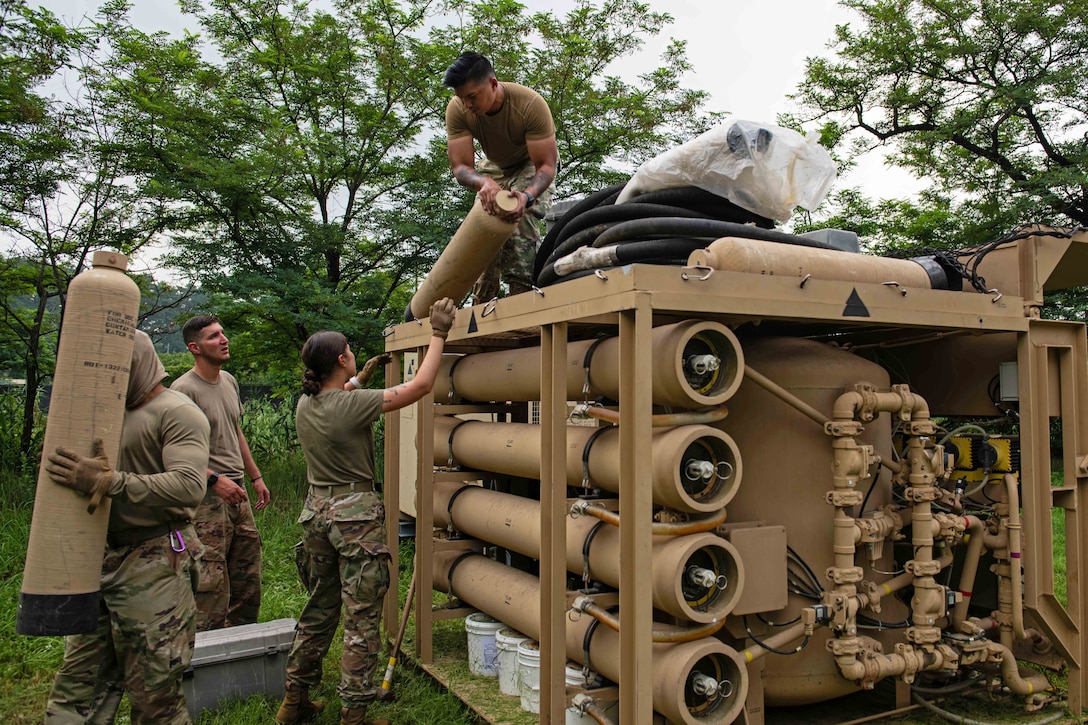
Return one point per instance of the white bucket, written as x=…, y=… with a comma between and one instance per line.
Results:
x=507, y=641
x=529, y=675
x=575, y=678
x=483, y=654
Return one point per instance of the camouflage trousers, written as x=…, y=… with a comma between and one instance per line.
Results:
x=143, y=642
x=514, y=263
x=229, y=592
x=348, y=565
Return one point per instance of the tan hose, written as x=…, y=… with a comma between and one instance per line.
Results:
x=775, y=641
x=594, y=711
x=695, y=526
x=975, y=529
x=705, y=416
x=672, y=635
x=1033, y=684
x=1015, y=562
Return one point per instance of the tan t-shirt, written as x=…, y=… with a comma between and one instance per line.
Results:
x=524, y=116
x=222, y=405
x=162, y=465
x=335, y=432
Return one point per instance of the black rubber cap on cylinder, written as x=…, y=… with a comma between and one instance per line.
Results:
x=55, y=615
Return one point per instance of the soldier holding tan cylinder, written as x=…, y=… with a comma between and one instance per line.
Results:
x=514, y=127
x=147, y=615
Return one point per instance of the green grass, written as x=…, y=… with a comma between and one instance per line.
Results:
x=27, y=664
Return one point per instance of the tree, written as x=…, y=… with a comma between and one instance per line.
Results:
x=293, y=162
x=305, y=162
x=33, y=46
x=62, y=193
x=987, y=99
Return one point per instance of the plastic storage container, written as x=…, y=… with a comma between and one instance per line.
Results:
x=483, y=653
x=507, y=641
x=236, y=662
x=529, y=675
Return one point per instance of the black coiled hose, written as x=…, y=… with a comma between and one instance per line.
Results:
x=660, y=227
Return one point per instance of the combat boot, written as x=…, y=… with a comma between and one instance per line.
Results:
x=297, y=706
x=357, y=716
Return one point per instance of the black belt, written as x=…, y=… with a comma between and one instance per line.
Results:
x=131, y=537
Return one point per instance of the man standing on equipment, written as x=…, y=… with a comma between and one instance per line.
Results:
x=229, y=592
x=517, y=134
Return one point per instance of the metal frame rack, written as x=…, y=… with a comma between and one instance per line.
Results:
x=1053, y=381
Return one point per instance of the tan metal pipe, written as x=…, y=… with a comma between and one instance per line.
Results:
x=703, y=416
x=774, y=642
x=696, y=468
x=758, y=257
x=698, y=577
x=698, y=525
x=697, y=364
x=784, y=395
x=659, y=634
x=473, y=246
x=695, y=683
x=975, y=529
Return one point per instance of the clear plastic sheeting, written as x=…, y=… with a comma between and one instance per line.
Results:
x=765, y=169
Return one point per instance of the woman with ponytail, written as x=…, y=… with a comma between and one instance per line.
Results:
x=343, y=520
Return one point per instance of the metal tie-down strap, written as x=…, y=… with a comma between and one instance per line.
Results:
x=585, y=453
x=453, y=566
x=585, y=554
x=450, y=396
x=588, y=359
x=586, y=640
x=449, y=443
x=449, y=507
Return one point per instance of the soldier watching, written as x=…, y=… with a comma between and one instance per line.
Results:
x=229, y=592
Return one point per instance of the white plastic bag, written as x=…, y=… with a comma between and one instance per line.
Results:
x=765, y=169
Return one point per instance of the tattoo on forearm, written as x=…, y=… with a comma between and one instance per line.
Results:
x=541, y=180
x=468, y=177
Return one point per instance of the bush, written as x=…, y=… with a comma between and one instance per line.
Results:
x=269, y=426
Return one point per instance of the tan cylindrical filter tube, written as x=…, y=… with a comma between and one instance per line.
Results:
x=696, y=468
x=513, y=522
x=755, y=256
x=702, y=682
x=59, y=594
x=697, y=363
x=473, y=246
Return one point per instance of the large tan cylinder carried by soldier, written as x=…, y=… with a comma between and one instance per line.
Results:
x=474, y=245
x=59, y=594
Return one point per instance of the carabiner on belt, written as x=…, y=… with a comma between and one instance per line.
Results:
x=177, y=542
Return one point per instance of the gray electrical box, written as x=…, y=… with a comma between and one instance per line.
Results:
x=1008, y=377
x=236, y=662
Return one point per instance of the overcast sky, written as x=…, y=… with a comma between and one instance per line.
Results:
x=748, y=55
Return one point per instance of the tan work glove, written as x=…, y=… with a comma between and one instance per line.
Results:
x=442, y=313
x=90, y=475
x=371, y=365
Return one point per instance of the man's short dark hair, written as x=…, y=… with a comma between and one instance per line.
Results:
x=190, y=331
x=468, y=68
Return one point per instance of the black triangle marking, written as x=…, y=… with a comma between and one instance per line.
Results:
x=854, y=306
x=472, y=323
